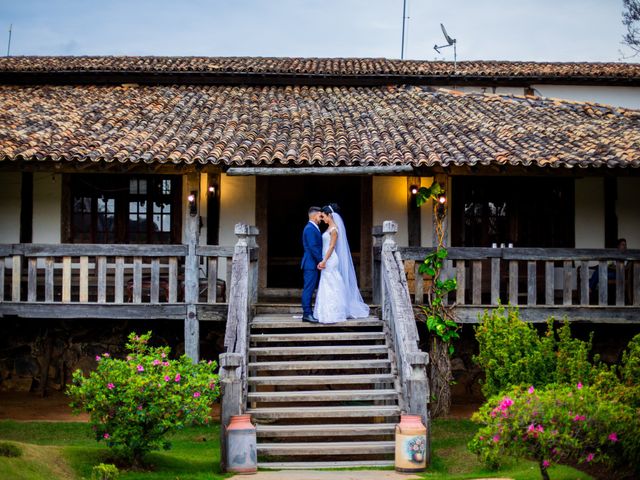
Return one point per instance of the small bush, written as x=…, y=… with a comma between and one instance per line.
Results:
x=10, y=450
x=104, y=471
x=511, y=352
x=557, y=424
x=133, y=403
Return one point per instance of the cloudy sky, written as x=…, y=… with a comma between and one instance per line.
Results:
x=553, y=30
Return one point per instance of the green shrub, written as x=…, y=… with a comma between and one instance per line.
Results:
x=512, y=352
x=133, y=403
x=10, y=450
x=104, y=471
x=557, y=424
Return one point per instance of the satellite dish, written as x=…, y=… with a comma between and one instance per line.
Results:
x=449, y=40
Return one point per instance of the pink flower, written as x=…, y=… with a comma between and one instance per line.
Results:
x=212, y=385
x=579, y=418
x=140, y=368
x=579, y=386
x=136, y=338
x=531, y=428
x=540, y=428
x=106, y=435
x=178, y=377
x=156, y=362
x=106, y=355
x=546, y=463
x=590, y=457
x=163, y=355
x=209, y=362
x=613, y=437
x=506, y=403
x=167, y=378
x=139, y=407
x=496, y=438
x=165, y=364
x=531, y=389
x=128, y=358
x=98, y=358
x=196, y=394
x=110, y=386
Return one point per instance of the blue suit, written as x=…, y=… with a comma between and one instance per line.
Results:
x=312, y=244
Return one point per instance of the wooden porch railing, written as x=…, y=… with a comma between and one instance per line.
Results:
x=243, y=296
x=108, y=274
x=397, y=314
x=582, y=284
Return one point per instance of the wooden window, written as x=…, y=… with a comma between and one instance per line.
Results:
x=524, y=211
x=125, y=209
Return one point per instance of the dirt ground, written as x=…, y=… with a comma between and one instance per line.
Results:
x=52, y=408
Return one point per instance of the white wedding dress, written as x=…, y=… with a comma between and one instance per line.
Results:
x=338, y=297
x=331, y=304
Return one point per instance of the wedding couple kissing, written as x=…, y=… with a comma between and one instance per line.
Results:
x=327, y=258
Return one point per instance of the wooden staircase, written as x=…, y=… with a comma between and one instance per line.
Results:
x=321, y=395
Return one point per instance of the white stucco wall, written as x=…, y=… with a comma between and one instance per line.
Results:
x=390, y=203
x=628, y=97
x=497, y=90
x=628, y=210
x=47, y=205
x=10, y=186
x=589, y=205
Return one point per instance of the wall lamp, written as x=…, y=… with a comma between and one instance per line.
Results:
x=193, y=207
x=441, y=207
x=211, y=189
x=413, y=189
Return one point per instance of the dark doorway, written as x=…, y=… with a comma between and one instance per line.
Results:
x=287, y=201
x=524, y=211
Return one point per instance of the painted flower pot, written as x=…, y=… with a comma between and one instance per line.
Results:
x=241, y=445
x=411, y=445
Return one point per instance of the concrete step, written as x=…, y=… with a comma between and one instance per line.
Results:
x=320, y=350
x=325, y=430
x=323, y=396
x=315, y=337
x=326, y=448
x=328, y=464
x=287, y=321
x=361, y=379
x=321, y=365
x=325, y=412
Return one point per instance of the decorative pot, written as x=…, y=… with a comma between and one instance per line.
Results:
x=411, y=445
x=241, y=445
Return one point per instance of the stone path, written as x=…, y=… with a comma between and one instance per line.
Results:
x=330, y=475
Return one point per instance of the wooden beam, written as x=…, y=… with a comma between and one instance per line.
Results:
x=294, y=171
x=191, y=271
x=540, y=314
x=93, y=310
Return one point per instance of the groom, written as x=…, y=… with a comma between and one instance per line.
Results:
x=312, y=244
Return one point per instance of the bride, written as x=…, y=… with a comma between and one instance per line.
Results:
x=338, y=297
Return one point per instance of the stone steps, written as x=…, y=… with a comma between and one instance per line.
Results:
x=323, y=396
x=311, y=385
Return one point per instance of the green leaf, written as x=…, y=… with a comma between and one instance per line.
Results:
x=442, y=253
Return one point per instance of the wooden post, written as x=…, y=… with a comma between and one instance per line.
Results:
x=495, y=280
x=231, y=397
x=191, y=272
x=532, y=288
x=376, y=251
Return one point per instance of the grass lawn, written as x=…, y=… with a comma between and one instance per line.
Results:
x=67, y=450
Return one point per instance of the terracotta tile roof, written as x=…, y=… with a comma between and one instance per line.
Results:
x=300, y=125
x=323, y=67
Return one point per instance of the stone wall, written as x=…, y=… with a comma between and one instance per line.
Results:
x=32, y=351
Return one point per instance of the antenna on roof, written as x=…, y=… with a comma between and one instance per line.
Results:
x=9, y=44
x=450, y=41
x=404, y=20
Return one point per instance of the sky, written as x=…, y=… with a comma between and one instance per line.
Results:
x=534, y=30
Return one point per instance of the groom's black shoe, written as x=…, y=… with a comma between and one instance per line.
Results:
x=309, y=318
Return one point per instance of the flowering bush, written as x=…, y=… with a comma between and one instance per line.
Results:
x=556, y=424
x=134, y=402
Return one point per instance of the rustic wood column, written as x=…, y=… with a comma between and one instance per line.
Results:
x=191, y=271
x=442, y=179
x=231, y=397
x=376, y=277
